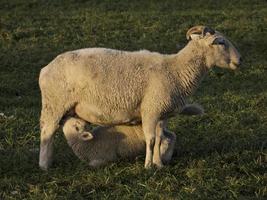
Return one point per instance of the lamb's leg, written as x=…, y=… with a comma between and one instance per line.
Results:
x=49, y=123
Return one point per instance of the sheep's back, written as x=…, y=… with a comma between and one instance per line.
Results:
x=110, y=78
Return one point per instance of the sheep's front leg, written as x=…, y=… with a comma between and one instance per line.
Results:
x=159, y=135
x=167, y=146
x=149, y=128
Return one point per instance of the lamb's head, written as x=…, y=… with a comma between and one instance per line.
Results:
x=74, y=129
x=218, y=49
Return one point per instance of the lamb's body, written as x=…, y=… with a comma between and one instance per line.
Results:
x=111, y=87
x=108, y=144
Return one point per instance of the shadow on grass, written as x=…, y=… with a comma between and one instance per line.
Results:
x=22, y=161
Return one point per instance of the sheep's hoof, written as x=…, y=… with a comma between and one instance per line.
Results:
x=158, y=164
x=97, y=163
x=44, y=165
x=44, y=168
x=148, y=165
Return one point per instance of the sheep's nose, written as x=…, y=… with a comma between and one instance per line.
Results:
x=240, y=61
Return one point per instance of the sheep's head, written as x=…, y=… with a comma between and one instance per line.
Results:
x=75, y=128
x=219, y=50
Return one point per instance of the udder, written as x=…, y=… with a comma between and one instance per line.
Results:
x=96, y=115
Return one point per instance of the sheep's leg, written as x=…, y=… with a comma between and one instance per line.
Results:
x=97, y=163
x=159, y=135
x=167, y=146
x=49, y=123
x=149, y=132
x=149, y=129
x=46, y=146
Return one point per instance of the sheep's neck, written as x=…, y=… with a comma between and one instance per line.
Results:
x=190, y=67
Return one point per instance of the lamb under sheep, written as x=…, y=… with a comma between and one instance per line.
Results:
x=112, y=87
x=110, y=143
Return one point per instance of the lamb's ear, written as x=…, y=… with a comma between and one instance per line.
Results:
x=85, y=136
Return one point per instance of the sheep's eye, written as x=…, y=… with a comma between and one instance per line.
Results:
x=77, y=129
x=219, y=41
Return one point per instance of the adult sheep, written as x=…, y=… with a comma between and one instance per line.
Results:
x=110, y=143
x=111, y=87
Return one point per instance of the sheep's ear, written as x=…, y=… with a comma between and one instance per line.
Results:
x=194, y=36
x=201, y=31
x=218, y=41
x=208, y=30
x=85, y=136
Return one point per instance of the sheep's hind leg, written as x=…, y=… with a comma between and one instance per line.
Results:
x=49, y=123
x=46, y=146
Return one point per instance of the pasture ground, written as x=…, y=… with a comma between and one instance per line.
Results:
x=221, y=155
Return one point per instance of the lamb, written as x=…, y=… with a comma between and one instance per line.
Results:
x=108, y=144
x=112, y=87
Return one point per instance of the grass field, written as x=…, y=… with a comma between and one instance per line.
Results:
x=221, y=155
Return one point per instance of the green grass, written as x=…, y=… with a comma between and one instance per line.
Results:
x=221, y=155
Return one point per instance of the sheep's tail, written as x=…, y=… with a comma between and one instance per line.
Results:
x=192, y=109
